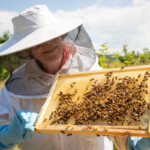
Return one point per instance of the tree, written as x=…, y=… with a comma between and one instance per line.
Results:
x=102, y=59
x=145, y=57
x=5, y=37
x=128, y=57
x=3, y=72
x=116, y=60
x=9, y=62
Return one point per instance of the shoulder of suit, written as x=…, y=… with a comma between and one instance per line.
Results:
x=17, y=75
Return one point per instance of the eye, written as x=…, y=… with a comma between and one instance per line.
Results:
x=38, y=46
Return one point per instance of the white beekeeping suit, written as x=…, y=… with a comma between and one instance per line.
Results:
x=27, y=89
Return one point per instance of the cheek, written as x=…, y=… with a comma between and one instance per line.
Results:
x=58, y=42
x=36, y=53
x=60, y=47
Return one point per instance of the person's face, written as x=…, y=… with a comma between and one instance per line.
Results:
x=48, y=51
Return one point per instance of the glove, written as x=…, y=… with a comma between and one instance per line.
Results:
x=132, y=143
x=20, y=129
x=138, y=143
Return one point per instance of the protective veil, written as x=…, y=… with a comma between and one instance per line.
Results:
x=27, y=89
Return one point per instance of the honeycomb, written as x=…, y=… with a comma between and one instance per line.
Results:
x=122, y=98
x=109, y=102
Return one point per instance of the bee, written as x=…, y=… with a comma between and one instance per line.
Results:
x=63, y=132
x=44, y=120
x=129, y=122
x=73, y=82
x=68, y=126
x=75, y=90
x=139, y=127
x=89, y=127
x=84, y=128
x=106, y=129
x=50, y=117
x=69, y=134
x=136, y=80
x=95, y=81
x=60, y=93
x=122, y=67
x=71, y=85
x=92, y=79
x=139, y=75
x=146, y=91
x=95, y=129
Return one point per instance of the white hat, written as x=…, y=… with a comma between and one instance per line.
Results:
x=34, y=26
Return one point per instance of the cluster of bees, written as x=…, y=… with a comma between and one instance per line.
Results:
x=117, y=101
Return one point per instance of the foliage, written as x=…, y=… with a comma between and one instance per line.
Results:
x=3, y=74
x=145, y=57
x=125, y=58
x=128, y=57
x=9, y=62
x=5, y=37
x=116, y=62
x=102, y=55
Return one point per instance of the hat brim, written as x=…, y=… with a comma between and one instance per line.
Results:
x=38, y=36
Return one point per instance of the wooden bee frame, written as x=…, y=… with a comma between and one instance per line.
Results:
x=79, y=83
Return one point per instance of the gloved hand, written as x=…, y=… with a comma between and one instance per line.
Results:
x=132, y=143
x=138, y=143
x=21, y=128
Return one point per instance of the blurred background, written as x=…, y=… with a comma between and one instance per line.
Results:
x=119, y=29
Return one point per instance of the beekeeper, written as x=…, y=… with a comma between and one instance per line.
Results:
x=51, y=46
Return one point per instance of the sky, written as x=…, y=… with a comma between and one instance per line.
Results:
x=115, y=22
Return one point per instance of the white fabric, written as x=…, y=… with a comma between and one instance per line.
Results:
x=34, y=26
x=10, y=103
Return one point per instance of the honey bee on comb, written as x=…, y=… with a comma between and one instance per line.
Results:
x=122, y=67
x=118, y=100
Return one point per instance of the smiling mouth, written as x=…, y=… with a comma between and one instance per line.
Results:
x=48, y=51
